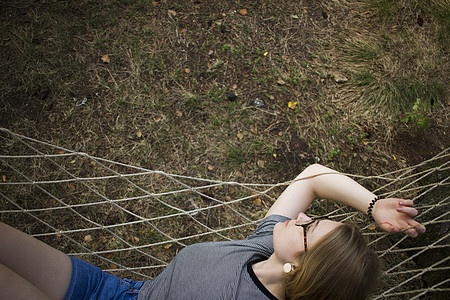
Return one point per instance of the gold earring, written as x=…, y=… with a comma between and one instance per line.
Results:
x=288, y=267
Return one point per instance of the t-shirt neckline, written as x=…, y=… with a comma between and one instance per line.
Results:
x=255, y=279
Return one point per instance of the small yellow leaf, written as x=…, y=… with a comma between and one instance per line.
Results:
x=179, y=114
x=187, y=70
x=168, y=246
x=72, y=161
x=4, y=178
x=274, y=155
x=88, y=238
x=243, y=11
x=266, y=53
x=292, y=105
x=93, y=163
x=240, y=136
x=136, y=239
x=172, y=13
x=139, y=134
x=105, y=58
x=372, y=227
x=210, y=167
x=395, y=158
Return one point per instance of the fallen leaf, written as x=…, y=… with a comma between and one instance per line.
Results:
x=239, y=174
x=106, y=59
x=274, y=155
x=240, y=136
x=172, y=13
x=261, y=164
x=167, y=246
x=183, y=30
x=395, y=158
x=234, y=86
x=266, y=53
x=227, y=198
x=372, y=227
x=112, y=266
x=281, y=81
x=71, y=187
x=139, y=134
x=136, y=239
x=257, y=202
x=210, y=167
x=93, y=163
x=61, y=152
x=88, y=238
x=292, y=105
x=179, y=114
x=72, y=161
x=187, y=70
x=4, y=178
x=243, y=11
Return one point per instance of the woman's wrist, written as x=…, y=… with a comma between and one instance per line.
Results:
x=371, y=207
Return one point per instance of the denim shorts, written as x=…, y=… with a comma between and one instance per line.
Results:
x=90, y=282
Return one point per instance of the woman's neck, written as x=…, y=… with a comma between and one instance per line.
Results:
x=270, y=274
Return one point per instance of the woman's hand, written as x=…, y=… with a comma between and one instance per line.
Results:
x=394, y=215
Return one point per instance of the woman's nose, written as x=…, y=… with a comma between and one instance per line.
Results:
x=302, y=217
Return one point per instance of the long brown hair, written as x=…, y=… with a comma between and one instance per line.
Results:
x=340, y=266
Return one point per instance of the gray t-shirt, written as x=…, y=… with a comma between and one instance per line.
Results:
x=216, y=270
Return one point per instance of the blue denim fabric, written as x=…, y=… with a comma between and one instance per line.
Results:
x=90, y=282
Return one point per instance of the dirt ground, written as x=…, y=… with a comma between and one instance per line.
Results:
x=204, y=88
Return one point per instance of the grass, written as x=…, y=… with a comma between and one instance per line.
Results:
x=161, y=100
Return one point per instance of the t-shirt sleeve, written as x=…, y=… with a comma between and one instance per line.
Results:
x=265, y=227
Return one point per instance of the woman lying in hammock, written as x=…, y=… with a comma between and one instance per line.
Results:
x=288, y=256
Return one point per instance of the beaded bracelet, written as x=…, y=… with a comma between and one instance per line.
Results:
x=369, y=210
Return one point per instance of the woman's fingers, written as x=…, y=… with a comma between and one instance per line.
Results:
x=412, y=232
x=389, y=228
x=411, y=212
x=403, y=202
x=420, y=228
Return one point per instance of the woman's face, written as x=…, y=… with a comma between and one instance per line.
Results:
x=288, y=239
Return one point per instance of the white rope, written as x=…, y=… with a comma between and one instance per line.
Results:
x=154, y=213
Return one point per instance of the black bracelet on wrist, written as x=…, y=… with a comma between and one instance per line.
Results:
x=369, y=210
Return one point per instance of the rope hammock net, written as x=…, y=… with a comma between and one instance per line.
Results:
x=132, y=221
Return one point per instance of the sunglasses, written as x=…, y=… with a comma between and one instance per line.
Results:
x=308, y=224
